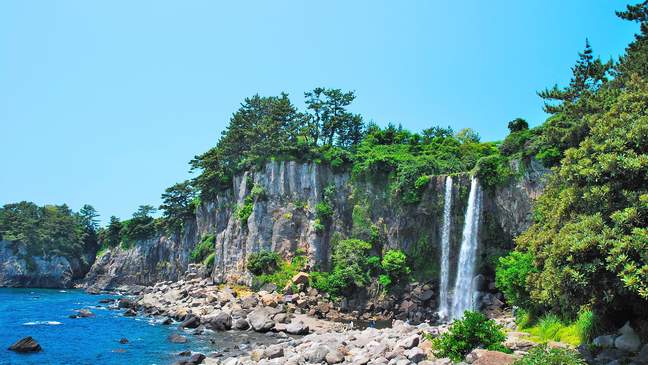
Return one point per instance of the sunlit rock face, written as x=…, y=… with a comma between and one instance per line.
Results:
x=283, y=218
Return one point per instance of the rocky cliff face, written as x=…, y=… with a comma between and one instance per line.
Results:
x=283, y=196
x=160, y=258
x=20, y=269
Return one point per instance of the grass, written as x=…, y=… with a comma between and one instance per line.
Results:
x=284, y=273
x=551, y=328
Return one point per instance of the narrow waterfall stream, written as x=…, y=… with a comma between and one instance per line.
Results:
x=462, y=299
x=445, y=250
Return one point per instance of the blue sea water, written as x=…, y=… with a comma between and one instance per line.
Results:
x=44, y=315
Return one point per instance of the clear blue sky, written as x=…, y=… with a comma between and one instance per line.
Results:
x=105, y=102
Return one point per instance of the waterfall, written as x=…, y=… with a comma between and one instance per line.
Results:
x=463, y=291
x=445, y=250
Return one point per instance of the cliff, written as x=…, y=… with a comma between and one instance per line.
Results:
x=282, y=196
x=18, y=268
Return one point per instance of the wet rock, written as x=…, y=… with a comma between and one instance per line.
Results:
x=606, y=341
x=241, y=324
x=130, y=313
x=27, y=344
x=176, y=338
x=126, y=303
x=190, y=322
x=123, y=340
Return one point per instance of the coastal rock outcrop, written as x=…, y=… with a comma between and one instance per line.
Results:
x=20, y=269
x=27, y=344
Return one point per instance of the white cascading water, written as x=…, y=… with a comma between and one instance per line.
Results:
x=445, y=251
x=463, y=296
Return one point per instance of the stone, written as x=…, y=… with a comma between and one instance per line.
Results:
x=123, y=340
x=190, y=322
x=629, y=340
x=487, y=357
x=415, y=354
x=130, y=312
x=297, y=328
x=408, y=342
x=126, y=303
x=260, y=320
x=24, y=345
x=84, y=313
x=334, y=357
x=241, y=324
x=274, y=352
x=176, y=338
x=606, y=341
x=317, y=354
x=642, y=356
x=219, y=322
x=197, y=358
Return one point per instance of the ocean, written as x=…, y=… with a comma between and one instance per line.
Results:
x=44, y=315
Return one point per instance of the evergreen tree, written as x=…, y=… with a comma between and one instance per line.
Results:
x=177, y=205
x=635, y=60
x=112, y=235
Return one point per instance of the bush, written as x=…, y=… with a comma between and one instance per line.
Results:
x=263, y=262
x=542, y=355
x=244, y=212
x=351, y=267
x=203, y=249
x=473, y=331
x=511, y=276
x=284, y=271
x=384, y=280
x=493, y=171
x=395, y=264
x=551, y=328
x=209, y=261
x=323, y=210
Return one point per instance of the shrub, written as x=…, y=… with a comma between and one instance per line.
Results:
x=244, y=211
x=351, y=267
x=384, y=280
x=203, y=249
x=284, y=272
x=542, y=355
x=511, y=276
x=323, y=210
x=263, y=262
x=473, y=331
x=209, y=261
x=493, y=171
x=257, y=192
x=395, y=264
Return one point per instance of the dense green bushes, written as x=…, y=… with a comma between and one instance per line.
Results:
x=394, y=263
x=511, y=277
x=203, y=249
x=263, y=262
x=284, y=270
x=472, y=331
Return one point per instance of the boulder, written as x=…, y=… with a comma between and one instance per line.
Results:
x=487, y=357
x=415, y=354
x=219, y=322
x=408, y=342
x=130, y=312
x=27, y=344
x=297, y=328
x=176, y=338
x=629, y=340
x=241, y=324
x=606, y=341
x=317, y=354
x=190, y=322
x=260, y=320
x=123, y=340
x=273, y=352
x=334, y=357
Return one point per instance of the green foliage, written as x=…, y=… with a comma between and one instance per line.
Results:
x=384, y=280
x=244, y=211
x=111, y=236
x=543, y=355
x=177, y=205
x=590, y=238
x=263, y=262
x=511, y=277
x=406, y=157
x=50, y=229
x=284, y=272
x=518, y=125
x=493, y=171
x=394, y=263
x=209, y=260
x=203, y=249
x=473, y=331
x=351, y=267
x=551, y=328
x=323, y=210
x=140, y=227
